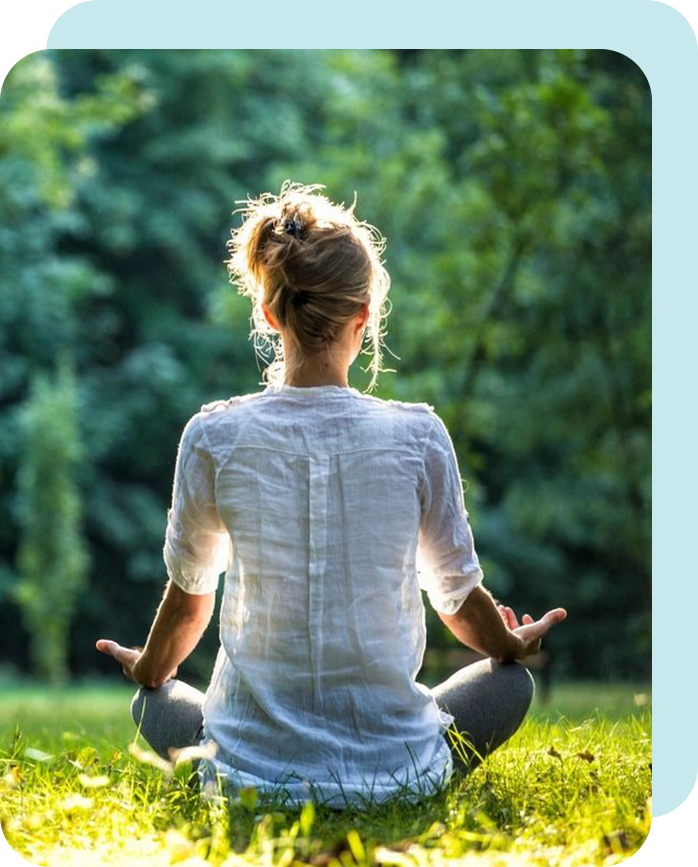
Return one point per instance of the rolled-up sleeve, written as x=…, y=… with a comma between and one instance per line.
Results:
x=197, y=542
x=447, y=563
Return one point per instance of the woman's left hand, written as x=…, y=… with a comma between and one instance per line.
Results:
x=125, y=656
x=131, y=661
x=510, y=618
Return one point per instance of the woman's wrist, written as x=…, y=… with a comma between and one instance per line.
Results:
x=513, y=649
x=144, y=673
x=507, y=644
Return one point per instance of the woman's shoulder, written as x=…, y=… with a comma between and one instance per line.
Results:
x=223, y=404
x=392, y=403
x=414, y=407
x=417, y=418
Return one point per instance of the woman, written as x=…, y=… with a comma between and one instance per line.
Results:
x=328, y=510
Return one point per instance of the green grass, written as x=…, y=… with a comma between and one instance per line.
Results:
x=572, y=787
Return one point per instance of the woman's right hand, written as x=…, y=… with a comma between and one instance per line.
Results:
x=530, y=632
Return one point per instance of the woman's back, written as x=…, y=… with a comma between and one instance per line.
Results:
x=328, y=510
x=323, y=492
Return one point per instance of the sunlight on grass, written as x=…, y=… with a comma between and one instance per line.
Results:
x=566, y=790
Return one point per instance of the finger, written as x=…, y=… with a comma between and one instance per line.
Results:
x=126, y=656
x=104, y=645
x=557, y=615
x=505, y=616
x=538, y=628
x=121, y=654
x=513, y=621
x=128, y=673
x=527, y=619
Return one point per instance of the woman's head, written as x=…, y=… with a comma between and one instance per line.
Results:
x=314, y=267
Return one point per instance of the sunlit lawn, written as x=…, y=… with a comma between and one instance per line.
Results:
x=571, y=788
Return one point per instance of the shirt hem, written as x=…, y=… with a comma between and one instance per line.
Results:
x=219, y=780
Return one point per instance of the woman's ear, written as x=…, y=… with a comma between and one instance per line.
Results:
x=363, y=316
x=269, y=317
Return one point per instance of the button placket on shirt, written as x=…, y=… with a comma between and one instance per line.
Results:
x=318, y=473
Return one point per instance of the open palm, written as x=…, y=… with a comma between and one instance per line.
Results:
x=126, y=657
x=530, y=631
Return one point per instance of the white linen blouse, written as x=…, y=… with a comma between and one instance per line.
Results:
x=328, y=510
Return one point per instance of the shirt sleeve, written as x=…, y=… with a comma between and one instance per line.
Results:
x=197, y=543
x=447, y=563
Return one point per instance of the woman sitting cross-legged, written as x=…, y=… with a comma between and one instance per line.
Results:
x=329, y=510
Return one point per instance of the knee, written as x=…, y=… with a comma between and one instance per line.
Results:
x=147, y=700
x=520, y=682
x=137, y=706
x=525, y=685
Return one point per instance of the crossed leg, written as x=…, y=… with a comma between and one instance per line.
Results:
x=169, y=717
x=488, y=701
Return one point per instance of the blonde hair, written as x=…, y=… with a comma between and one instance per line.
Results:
x=314, y=264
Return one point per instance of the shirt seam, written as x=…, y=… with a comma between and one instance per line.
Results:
x=330, y=454
x=423, y=469
x=216, y=468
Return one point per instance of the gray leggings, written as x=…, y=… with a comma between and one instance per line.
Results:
x=488, y=701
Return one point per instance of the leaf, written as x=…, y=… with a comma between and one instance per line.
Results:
x=75, y=802
x=148, y=758
x=37, y=755
x=401, y=845
x=586, y=755
x=329, y=857
x=87, y=757
x=248, y=797
x=13, y=778
x=307, y=818
x=93, y=782
x=356, y=846
x=178, y=846
x=386, y=856
x=617, y=841
x=189, y=754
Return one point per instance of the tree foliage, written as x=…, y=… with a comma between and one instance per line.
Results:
x=513, y=188
x=52, y=558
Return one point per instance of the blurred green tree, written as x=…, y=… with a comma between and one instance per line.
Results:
x=514, y=191
x=45, y=138
x=52, y=558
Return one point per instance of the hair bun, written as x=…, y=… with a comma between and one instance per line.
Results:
x=301, y=296
x=314, y=266
x=293, y=227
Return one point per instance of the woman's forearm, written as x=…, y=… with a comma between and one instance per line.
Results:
x=479, y=624
x=179, y=623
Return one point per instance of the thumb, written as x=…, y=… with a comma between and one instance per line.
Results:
x=550, y=618
x=106, y=646
x=532, y=631
x=557, y=615
x=120, y=654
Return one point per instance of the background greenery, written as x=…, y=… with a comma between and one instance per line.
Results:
x=514, y=190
